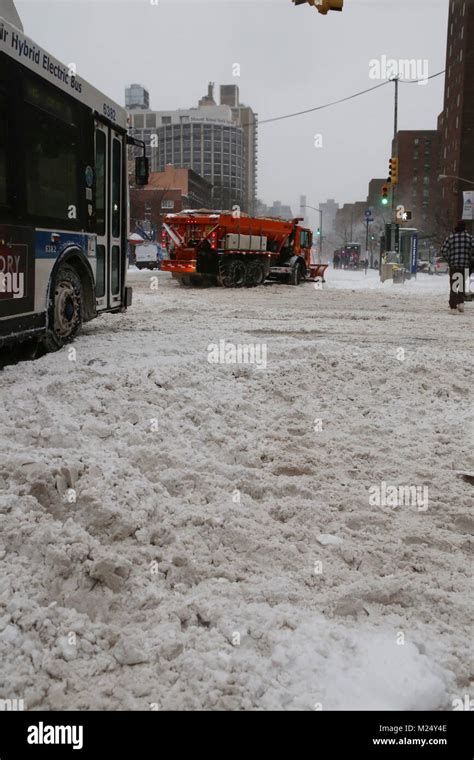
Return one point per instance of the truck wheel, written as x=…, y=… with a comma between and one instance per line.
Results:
x=65, y=311
x=237, y=273
x=255, y=274
x=296, y=274
x=232, y=273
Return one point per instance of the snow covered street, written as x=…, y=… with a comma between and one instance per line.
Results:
x=184, y=533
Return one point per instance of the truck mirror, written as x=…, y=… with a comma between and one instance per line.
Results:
x=141, y=171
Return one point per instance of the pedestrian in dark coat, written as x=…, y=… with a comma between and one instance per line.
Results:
x=458, y=251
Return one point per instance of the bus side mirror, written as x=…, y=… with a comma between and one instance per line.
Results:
x=142, y=171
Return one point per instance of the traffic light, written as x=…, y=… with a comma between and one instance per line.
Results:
x=323, y=6
x=393, y=171
x=384, y=194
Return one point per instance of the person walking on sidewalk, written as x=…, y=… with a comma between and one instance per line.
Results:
x=458, y=250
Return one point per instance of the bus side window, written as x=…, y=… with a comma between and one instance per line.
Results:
x=52, y=160
x=3, y=148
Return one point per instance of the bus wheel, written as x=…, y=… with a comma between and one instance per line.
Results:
x=65, y=314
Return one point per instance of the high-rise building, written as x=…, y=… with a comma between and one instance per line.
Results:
x=136, y=97
x=280, y=210
x=206, y=139
x=246, y=118
x=329, y=209
x=418, y=170
x=303, y=212
x=456, y=122
x=375, y=193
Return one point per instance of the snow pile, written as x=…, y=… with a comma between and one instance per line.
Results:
x=324, y=665
x=180, y=534
x=421, y=285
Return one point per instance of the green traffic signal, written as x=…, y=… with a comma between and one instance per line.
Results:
x=384, y=201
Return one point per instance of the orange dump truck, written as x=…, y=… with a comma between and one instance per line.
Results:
x=237, y=251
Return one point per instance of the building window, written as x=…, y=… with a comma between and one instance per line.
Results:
x=139, y=121
x=150, y=120
x=166, y=119
x=167, y=203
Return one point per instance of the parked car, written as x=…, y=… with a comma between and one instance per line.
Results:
x=423, y=266
x=438, y=266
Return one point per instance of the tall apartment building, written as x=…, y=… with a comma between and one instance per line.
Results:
x=418, y=187
x=136, y=97
x=375, y=192
x=246, y=118
x=303, y=210
x=456, y=122
x=329, y=209
x=206, y=139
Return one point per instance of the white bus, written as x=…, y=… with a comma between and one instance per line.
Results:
x=63, y=195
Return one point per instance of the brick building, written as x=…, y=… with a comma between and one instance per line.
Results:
x=167, y=192
x=418, y=187
x=456, y=122
x=195, y=190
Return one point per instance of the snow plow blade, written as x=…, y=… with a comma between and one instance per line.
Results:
x=317, y=272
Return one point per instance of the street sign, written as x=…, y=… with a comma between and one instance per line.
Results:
x=368, y=213
x=467, y=211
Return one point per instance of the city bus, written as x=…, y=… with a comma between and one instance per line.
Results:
x=63, y=195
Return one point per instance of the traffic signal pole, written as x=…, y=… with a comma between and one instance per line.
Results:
x=367, y=240
x=395, y=130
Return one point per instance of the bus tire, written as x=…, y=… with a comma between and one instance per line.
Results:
x=65, y=310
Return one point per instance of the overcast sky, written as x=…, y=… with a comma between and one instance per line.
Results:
x=291, y=58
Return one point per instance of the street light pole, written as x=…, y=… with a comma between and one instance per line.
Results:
x=453, y=176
